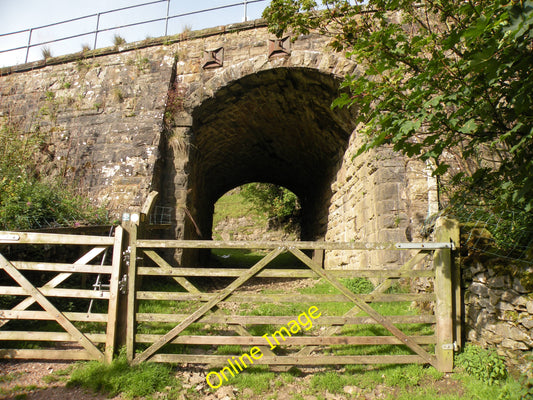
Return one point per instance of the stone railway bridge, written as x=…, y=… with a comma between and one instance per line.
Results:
x=197, y=115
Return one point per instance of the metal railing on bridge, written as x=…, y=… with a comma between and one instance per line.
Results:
x=166, y=17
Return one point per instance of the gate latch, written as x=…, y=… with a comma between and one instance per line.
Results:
x=450, y=346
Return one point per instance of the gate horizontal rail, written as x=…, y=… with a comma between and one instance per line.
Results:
x=303, y=245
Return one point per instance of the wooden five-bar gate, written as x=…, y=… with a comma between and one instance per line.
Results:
x=211, y=315
x=40, y=301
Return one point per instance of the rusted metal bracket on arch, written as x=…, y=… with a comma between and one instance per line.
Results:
x=213, y=58
x=279, y=47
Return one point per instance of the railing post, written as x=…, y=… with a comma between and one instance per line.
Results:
x=245, y=18
x=443, y=290
x=29, y=46
x=166, y=21
x=96, y=30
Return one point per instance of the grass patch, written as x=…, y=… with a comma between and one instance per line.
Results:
x=229, y=349
x=10, y=377
x=61, y=375
x=118, y=377
x=257, y=379
x=244, y=258
x=235, y=258
x=331, y=381
x=234, y=205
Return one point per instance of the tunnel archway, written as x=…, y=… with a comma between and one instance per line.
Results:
x=274, y=126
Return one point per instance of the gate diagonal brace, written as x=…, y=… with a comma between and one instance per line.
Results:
x=382, y=287
x=50, y=308
x=237, y=328
x=58, y=279
x=183, y=282
x=173, y=333
x=380, y=319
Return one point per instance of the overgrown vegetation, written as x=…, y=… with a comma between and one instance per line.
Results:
x=28, y=198
x=482, y=364
x=447, y=81
x=277, y=202
x=118, y=40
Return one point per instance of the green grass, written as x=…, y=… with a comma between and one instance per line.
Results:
x=233, y=205
x=61, y=375
x=241, y=258
x=404, y=382
x=10, y=377
x=331, y=381
x=230, y=350
x=118, y=377
x=258, y=379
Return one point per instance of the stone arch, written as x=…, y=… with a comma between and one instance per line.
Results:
x=324, y=62
x=270, y=120
x=272, y=125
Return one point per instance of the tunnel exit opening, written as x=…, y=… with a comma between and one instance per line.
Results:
x=257, y=211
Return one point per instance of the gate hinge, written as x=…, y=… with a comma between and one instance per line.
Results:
x=123, y=284
x=450, y=346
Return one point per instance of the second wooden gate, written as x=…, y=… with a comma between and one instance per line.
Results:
x=187, y=321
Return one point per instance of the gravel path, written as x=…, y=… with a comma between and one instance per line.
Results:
x=37, y=381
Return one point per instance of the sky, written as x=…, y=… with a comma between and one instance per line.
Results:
x=21, y=15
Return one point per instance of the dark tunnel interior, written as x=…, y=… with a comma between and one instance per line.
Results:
x=275, y=126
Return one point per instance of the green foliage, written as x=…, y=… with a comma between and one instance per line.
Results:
x=28, y=203
x=27, y=198
x=516, y=390
x=358, y=285
x=510, y=230
x=233, y=205
x=276, y=201
x=485, y=365
x=118, y=377
x=444, y=80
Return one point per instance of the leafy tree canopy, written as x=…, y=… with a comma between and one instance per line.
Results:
x=275, y=201
x=449, y=81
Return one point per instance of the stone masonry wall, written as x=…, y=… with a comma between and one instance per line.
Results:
x=104, y=117
x=379, y=196
x=499, y=309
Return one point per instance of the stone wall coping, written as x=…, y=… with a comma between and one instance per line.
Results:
x=163, y=40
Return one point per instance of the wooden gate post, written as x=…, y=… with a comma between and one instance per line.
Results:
x=458, y=301
x=114, y=297
x=129, y=305
x=444, y=292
